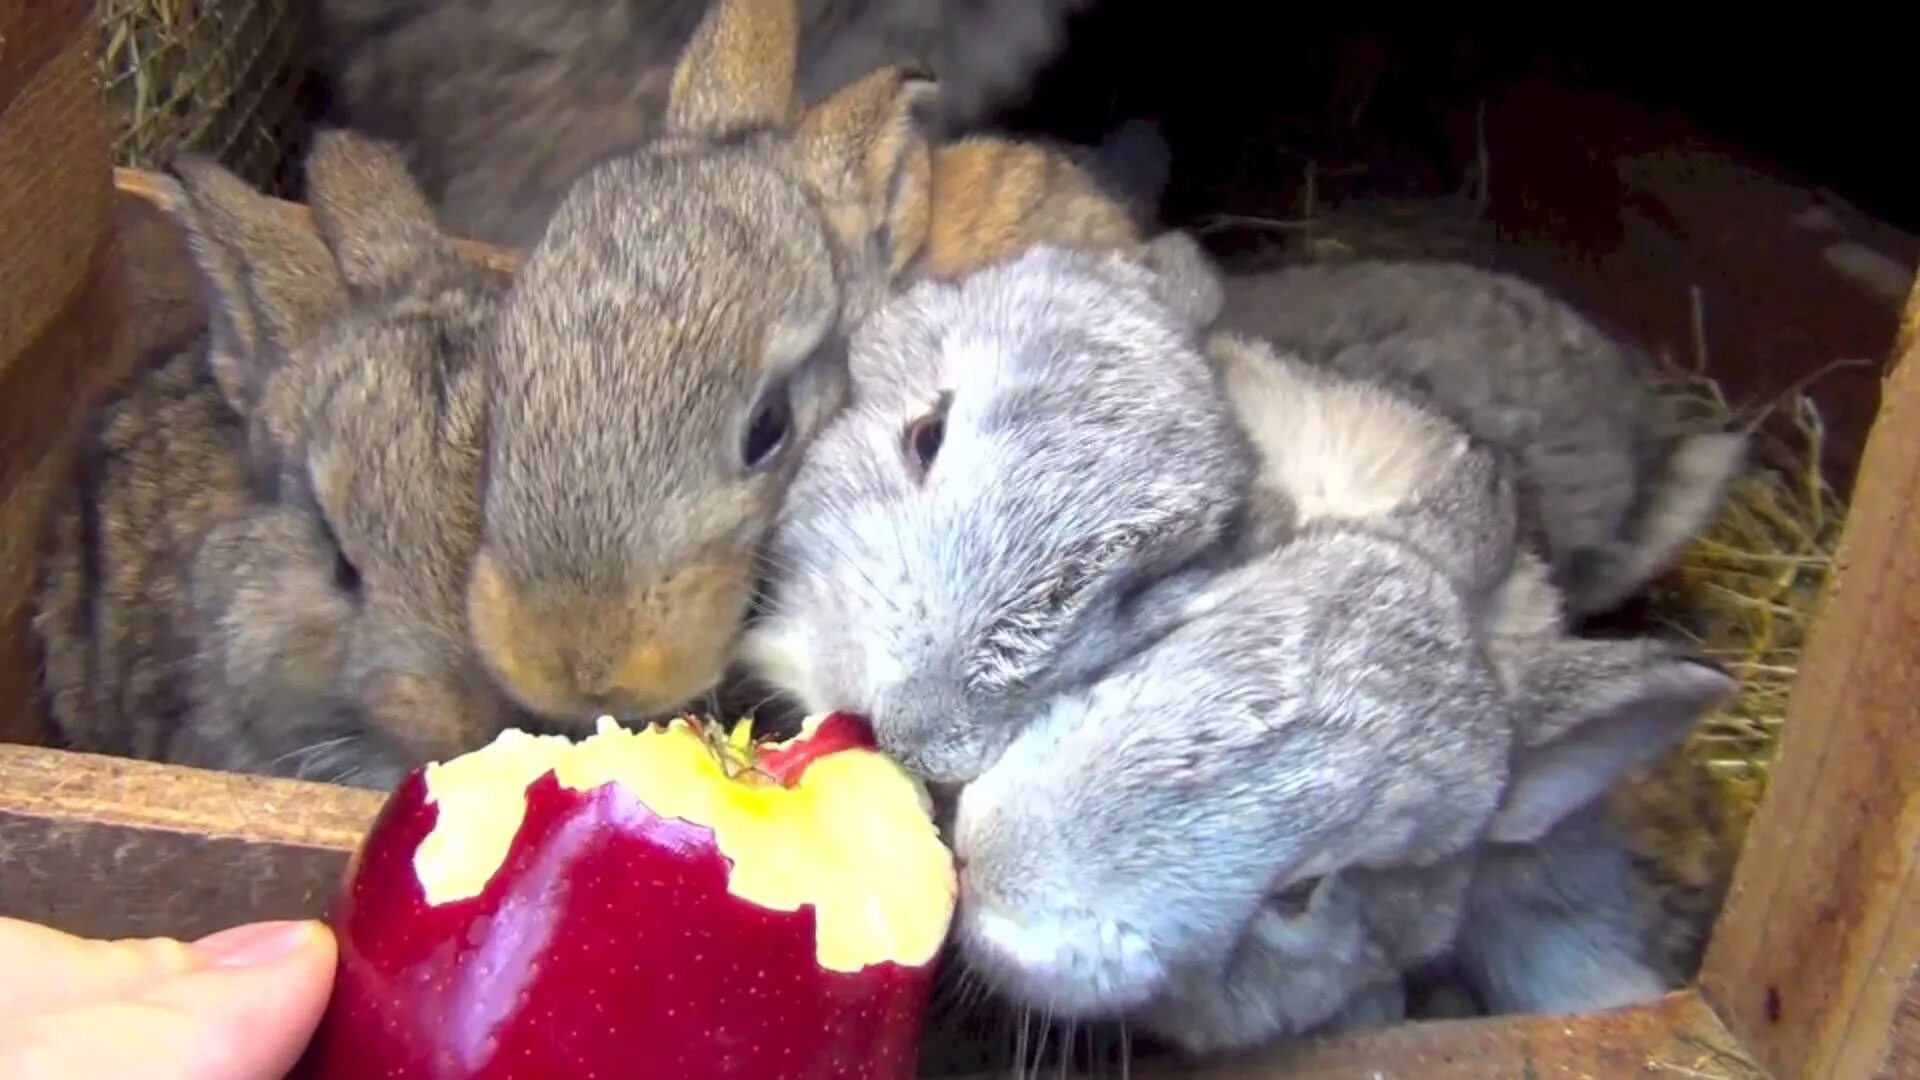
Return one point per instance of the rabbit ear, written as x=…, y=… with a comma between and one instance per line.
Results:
x=865, y=149
x=268, y=279
x=1594, y=711
x=738, y=69
x=1681, y=504
x=369, y=210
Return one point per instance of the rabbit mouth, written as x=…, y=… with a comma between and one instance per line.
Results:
x=1083, y=968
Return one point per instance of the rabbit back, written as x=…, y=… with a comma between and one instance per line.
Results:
x=1613, y=484
x=158, y=464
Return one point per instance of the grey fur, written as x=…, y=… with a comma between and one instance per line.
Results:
x=1323, y=712
x=1615, y=484
x=193, y=606
x=502, y=105
x=1383, y=695
x=1088, y=453
x=1218, y=837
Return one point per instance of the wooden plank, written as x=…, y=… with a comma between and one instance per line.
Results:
x=1677, y=1037
x=60, y=289
x=110, y=847
x=1816, y=959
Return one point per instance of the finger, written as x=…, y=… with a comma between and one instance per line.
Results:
x=49, y=969
x=216, y=1022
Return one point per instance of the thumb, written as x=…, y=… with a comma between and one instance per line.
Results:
x=244, y=1012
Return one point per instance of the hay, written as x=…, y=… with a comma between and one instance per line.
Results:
x=218, y=77
x=1746, y=592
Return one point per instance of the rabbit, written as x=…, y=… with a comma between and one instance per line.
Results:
x=1337, y=448
x=502, y=105
x=1260, y=825
x=1027, y=448
x=1101, y=462
x=259, y=563
x=1615, y=486
x=667, y=351
x=1613, y=906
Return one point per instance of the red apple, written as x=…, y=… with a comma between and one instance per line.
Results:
x=672, y=902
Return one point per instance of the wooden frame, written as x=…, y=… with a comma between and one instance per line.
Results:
x=1813, y=970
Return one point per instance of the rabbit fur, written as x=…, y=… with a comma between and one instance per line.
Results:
x=259, y=563
x=500, y=106
x=1615, y=485
x=1096, y=462
x=1085, y=451
x=667, y=352
x=1384, y=551
x=1151, y=844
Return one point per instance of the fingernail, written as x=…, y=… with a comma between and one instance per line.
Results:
x=255, y=943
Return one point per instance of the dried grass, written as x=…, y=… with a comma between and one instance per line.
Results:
x=1746, y=592
x=217, y=77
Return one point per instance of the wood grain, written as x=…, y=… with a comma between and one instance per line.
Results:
x=1815, y=959
x=61, y=302
x=109, y=847
x=1674, y=1038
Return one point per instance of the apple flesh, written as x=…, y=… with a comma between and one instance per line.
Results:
x=672, y=902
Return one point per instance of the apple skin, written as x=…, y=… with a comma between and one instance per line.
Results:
x=607, y=945
x=836, y=732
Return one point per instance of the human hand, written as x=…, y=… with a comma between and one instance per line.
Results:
x=237, y=1005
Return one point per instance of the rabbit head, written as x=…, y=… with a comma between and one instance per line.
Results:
x=1264, y=798
x=1262, y=823
x=665, y=353
x=1026, y=450
x=331, y=635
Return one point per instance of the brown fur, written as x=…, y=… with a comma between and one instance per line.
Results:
x=260, y=563
x=1684, y=844
x=674, y=291
x=993, y=198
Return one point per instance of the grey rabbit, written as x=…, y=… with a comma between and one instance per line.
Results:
x=1614, y=484
x=1040, y=460
x=1386, y=513
x=1026, y=449
x=1258, y=826
x=671, y=345
x=502, y=105
x=259, y=562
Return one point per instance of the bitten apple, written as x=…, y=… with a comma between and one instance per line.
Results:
x=669, y=902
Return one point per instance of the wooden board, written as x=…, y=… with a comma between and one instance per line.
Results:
x=1677, y=1038
x=1816, y=959
x=109, y=847
x=60, y=298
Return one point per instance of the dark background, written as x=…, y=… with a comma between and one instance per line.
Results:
x=1809, y=93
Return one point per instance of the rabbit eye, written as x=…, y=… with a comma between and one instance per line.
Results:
x=1293, y=901
x=768, y=429
x=926, y=434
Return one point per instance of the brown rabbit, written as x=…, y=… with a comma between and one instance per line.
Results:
x=677, y=337
x=260, y=562
x=500, y=104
